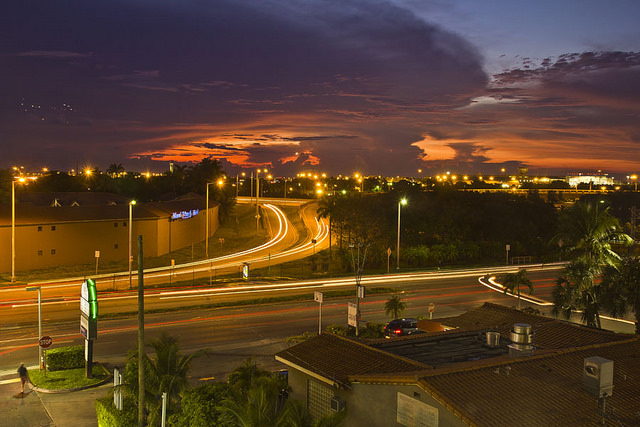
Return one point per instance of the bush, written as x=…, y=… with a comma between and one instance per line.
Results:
x=109, y=416
x=71, y=357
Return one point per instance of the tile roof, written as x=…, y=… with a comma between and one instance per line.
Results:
x=549, y=333
x=335, y=358
x=541, y=390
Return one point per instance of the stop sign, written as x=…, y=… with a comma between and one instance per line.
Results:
x=45, y=341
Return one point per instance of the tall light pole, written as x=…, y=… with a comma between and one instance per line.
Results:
x=37, y=288
x=258, y=197
x=206, y=232
x=131, y=203
x=13, y=228
x=400, y=203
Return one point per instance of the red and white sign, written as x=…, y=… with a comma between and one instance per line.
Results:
x=46, y=341
x=431, y=307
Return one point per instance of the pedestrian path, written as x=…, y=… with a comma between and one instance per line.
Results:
x=36, y=409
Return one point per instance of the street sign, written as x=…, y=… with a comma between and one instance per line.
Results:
x=361, y=291
x=431, y=307
x=317, y=296
x=352, y=314
x=45, y=341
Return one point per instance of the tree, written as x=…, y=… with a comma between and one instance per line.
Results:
x=620, y=289
x=513, y=281
x=167, y=373
x=115, y=170
x=326, y=206
x=575, y=291
x=588, y=229
x=394, y=306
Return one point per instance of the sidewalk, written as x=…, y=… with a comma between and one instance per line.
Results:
x=47, y=409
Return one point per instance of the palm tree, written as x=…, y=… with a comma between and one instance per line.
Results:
x=115, y=170
x=620, y=289
x=167, y=373
x=513, y=281
x=588, y=229
x=575, y=291
x=326, y=206
x=394, y=306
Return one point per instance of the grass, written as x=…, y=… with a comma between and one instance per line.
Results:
x=67, y=378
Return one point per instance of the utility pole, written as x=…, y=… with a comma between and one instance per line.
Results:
x=141, y=420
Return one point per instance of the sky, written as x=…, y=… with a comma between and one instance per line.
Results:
x=378, y=87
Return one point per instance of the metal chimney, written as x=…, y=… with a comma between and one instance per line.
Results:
x=521, y=340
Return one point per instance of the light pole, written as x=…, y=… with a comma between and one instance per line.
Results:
x=358, y=268
x=131, y=203
x=13, y=228
x=258, y=197
x=37, y=288
x=400, y=203
x=206, y=228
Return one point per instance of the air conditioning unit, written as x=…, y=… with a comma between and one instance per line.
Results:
x=337, y=404
x=597, y=376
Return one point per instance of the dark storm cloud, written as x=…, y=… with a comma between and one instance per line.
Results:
x=150, y=77
x=579, y=111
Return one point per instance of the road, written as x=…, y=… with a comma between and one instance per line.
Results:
x=256, y=330
x=63, y=295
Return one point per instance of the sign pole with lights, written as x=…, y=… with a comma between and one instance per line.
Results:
x=89, y=321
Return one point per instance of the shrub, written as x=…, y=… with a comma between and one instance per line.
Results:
x=71, y=357
x=109, y=416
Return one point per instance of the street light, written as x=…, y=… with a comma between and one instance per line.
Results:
x=220, y=183
x=131, y=203
x=258, y=197
x=400, y=203
x=13, y=228
x=37, y=288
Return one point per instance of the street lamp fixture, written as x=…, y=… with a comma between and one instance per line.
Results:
x=131, y=203
x=400, y=203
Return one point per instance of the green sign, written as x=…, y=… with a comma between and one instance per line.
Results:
x=89, y=299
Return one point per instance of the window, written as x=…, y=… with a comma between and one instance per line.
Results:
x=115, y=224
x=318, y=399
x=53, y=251
x=39, y=228
x=115, y=246
x=124, y=224
x=53, y=228
x=39, y=253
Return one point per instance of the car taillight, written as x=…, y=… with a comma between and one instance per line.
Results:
x=397, y=331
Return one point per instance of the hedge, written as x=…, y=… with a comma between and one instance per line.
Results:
x=109, y=416
x=71, y=357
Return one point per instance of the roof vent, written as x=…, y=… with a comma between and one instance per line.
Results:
x=597, y=376
x=493, y=339
x=521, y=340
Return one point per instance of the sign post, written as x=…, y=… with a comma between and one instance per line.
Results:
x=507, y=248
x=89, y=321
x=388, y=258
x=430, y=308
x=97, y=255
x=318, y=297
x=45, y=342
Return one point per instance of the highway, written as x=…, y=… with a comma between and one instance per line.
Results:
x=250, y=330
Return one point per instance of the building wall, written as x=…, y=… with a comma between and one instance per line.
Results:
x=376, y=404
x=53, y=244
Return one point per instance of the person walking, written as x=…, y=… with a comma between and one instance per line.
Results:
x=22, y=371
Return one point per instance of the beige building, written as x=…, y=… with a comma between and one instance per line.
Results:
x=473, y=373
x=53, y=229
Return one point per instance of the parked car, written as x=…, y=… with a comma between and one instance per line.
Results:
x=400, y=327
